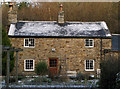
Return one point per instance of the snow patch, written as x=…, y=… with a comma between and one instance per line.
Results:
x=108, y=34
x=11, y=30
x=104, y=25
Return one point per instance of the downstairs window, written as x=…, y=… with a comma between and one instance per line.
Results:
x=89, y=65
x=29, y=65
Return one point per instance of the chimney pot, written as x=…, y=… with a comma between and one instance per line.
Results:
x=61, y=7
x=10, y=6
x=12, y=14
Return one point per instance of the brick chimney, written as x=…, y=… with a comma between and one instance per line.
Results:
x=12, y=14
x=61, y=15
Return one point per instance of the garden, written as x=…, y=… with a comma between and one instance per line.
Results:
x=43, y=79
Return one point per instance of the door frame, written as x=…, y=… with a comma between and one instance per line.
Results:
x=56, y=64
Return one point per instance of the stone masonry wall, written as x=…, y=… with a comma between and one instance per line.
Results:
x=71, y=49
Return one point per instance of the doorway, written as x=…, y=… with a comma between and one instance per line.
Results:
x=53, y=66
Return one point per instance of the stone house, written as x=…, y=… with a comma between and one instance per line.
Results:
x=67, y=47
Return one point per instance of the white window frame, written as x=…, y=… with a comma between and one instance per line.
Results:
x=93, y=65
x=29, y=46
x=89, y=43
x=25, y=65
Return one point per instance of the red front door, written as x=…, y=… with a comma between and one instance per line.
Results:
x=53, y=69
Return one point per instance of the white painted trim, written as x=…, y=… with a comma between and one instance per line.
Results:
x=71, y=72
x=24, y=42
x=89, y=70
x=28, y=43
x=93, y=65
x=98, y=71
x=25, y=65
x=89, y=46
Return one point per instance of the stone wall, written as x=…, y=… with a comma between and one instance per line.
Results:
x=12, y=16
x=114, y=54
x=71, y=49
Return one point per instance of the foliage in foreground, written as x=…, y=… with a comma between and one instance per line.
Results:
x=41, y=80
x=6, y=42
x=41, y=68
x=109, y=69
x=118, y=81
x=81, y=76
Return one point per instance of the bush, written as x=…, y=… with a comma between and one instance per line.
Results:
x=41, y=80
x=118, y=85
x=13, y=79
x=21, y=77
x=6, y=42
x=81, y=76
x=118, y=81
x=62, y=78
x=41, y=68
x=109, y=69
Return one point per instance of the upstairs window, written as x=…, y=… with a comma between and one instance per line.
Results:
x=29, y=65
x=29, y=42
x=89, y=65
x=89, y=43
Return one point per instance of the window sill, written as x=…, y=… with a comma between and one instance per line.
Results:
x=89, y=70
x=29, y=47
x=89, y=46
x=29, y=70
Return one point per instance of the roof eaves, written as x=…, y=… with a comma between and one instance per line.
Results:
x=35, y=21
x=103, y=37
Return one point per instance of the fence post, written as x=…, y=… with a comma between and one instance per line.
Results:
x=8, y=61
x=101, y=49
x=16, y=67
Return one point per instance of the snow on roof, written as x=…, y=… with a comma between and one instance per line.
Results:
x=51, y=28
x=11, y=30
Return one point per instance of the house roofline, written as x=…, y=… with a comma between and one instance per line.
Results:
x=97, y=37
x=66, y=21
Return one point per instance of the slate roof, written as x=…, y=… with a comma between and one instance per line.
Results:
x=53, y=29
x=116, y=42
